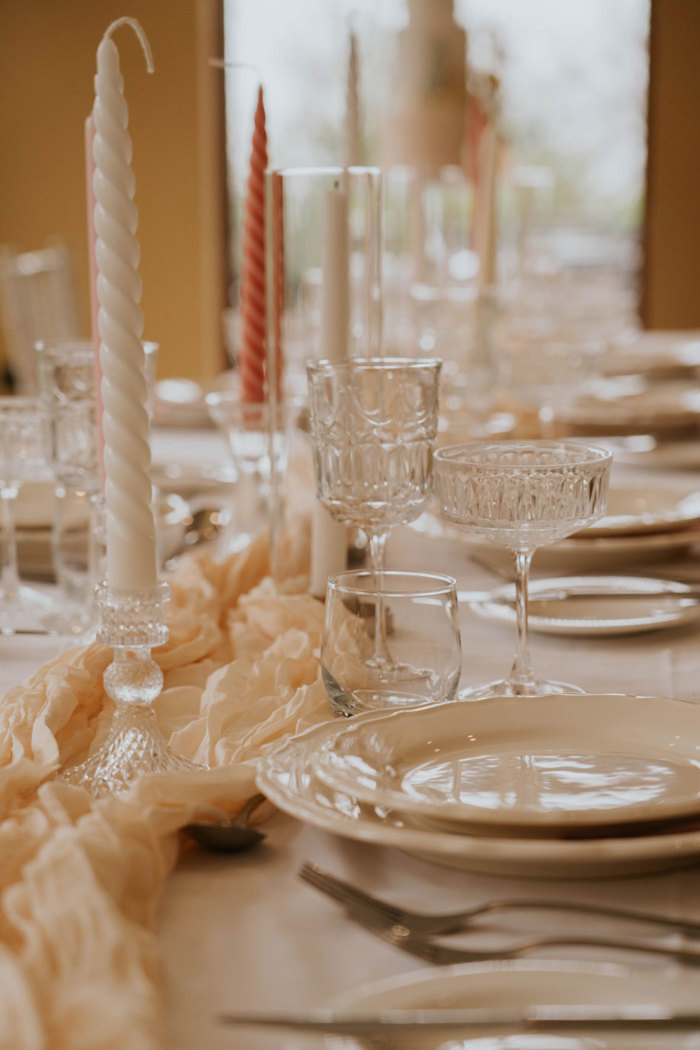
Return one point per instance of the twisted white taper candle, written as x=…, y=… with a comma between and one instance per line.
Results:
x=131, y=547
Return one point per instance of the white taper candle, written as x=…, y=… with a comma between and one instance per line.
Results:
x=329, y=538
x=131, y=542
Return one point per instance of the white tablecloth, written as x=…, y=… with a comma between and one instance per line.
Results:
x=242, y=932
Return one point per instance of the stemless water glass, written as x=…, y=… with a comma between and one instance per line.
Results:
x=23, y=457
x=257, y=435
x=373, y=426
x=522, y=495
x=67, y=385
x=420, y=619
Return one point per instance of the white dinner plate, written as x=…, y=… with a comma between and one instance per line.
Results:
x=595, y=614
x=656, y=355
x=630, y=404
x=519, y=984
x=635, y=509
x=572, y=555
x=286, y=776
x=643, y=450
x=540, y=763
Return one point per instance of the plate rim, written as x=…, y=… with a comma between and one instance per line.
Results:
x=356, y=998
x=476, y=817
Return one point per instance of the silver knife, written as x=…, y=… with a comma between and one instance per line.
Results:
x=632, y=1018
x=554, y=594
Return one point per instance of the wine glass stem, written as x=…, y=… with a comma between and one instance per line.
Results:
x=521, y=675
x=9, y=575
x=377, y=555
x=377, y=548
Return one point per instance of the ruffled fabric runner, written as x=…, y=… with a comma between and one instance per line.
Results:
x=79, y=961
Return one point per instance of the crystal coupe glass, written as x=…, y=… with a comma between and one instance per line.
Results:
x=522, y=495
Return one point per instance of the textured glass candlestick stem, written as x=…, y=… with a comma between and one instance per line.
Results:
x=131, y=621
x=9, y=576
x=522, y=675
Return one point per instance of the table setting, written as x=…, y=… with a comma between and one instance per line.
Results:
x=335, y=713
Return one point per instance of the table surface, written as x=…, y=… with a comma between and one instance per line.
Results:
x=242, y=932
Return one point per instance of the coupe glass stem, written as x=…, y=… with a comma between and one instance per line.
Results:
x=9, y=575
x=521, y=675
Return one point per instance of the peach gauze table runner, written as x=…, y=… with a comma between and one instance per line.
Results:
x=79, y=961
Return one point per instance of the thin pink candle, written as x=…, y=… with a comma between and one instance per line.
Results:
x=278, y=277
x=253, y=342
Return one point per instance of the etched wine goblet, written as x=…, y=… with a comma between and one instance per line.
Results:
x=373, y=427
x=522, y=495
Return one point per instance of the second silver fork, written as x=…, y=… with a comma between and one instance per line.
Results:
x=453, y=922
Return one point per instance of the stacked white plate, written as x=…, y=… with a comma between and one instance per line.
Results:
x=563, y=786
x=636, y=405
x=522, y=985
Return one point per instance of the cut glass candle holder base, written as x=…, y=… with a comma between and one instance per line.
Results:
x=131, y=622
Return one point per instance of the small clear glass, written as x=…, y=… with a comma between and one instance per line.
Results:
x=257, y=436
x=23, y=457
x=373, y=428
x=522, y=495
x=417, y=615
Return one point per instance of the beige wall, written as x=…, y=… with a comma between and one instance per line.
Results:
x=671, y=297
x=47, y=58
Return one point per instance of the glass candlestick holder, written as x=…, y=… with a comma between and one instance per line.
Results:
x=131, y=622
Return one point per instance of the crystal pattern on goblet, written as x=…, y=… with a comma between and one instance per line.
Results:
x=374, y=423
x=131, y=621
x=523, y=497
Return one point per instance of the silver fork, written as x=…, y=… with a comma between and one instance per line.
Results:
x=423, y=948
x=451, y=922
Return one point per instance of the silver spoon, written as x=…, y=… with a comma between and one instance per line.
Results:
x=229, y=836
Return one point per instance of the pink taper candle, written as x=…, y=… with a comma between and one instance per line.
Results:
x=278, y=277
x=253, y=342
x=131, y=545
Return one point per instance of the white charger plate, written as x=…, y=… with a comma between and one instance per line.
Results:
x=595, y=614
x=635, y=509
x=575, y=554
x=643, y=450
x=631, y=403
x=286, y=775
x=522, y=983
x=655, y=354
x=539, y=763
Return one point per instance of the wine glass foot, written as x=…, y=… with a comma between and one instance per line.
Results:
x=28, y=610
x=505, y=687
x=134, y=748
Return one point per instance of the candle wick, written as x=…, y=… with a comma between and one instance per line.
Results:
x=126, y=20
